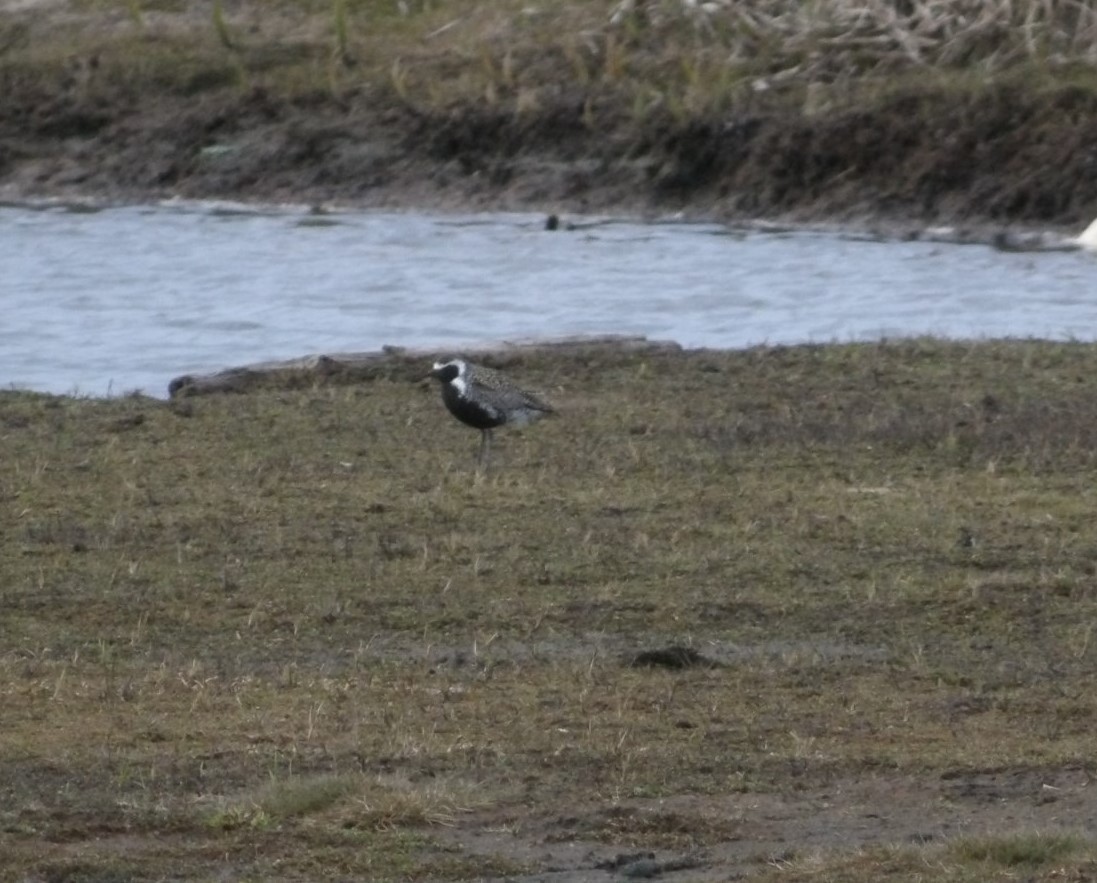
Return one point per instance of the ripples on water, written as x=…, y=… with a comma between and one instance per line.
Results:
x=100, y=302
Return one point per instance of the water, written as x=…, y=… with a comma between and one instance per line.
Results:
x=109, y=301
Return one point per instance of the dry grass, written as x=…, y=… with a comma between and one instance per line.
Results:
x=640, y=58
x=839, y=38
x=292, y=623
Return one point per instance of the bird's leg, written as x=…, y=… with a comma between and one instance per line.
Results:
x=485, y=447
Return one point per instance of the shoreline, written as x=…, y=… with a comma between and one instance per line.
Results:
x=1005, y=236
x=406, y=364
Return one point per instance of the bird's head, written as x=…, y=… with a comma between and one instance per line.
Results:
x=447, y=372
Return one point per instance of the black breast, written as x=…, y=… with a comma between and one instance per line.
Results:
x=479, y=415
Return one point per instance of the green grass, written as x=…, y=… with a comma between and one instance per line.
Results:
x=289, y=622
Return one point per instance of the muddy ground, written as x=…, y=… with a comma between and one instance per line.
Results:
x=738, y=836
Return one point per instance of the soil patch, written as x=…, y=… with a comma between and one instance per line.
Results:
x=739, y=836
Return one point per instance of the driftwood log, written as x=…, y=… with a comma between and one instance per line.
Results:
x=395, y=362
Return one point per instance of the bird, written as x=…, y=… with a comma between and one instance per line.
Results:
x=485, y=399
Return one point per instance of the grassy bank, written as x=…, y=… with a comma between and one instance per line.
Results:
x=293, y=634
x=818, y=109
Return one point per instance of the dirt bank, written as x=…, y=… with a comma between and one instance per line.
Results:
x=1003, y=156
x=111, y=118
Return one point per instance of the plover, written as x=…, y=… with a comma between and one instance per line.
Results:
x=484, y=399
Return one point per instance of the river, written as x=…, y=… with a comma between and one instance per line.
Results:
x=103, y=302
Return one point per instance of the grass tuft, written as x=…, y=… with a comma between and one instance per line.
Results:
x=1027, y=849
x=341, y=32
x=221, y=27
x=303, y=795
